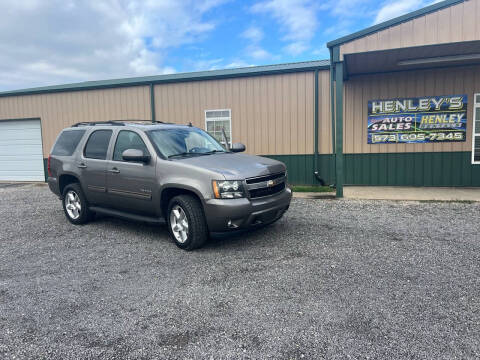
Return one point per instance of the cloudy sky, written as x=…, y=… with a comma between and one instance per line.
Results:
x=46, y=42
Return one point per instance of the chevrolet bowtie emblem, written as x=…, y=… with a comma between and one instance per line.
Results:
x=270, y=183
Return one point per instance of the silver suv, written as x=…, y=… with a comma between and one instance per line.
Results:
x=159, y=173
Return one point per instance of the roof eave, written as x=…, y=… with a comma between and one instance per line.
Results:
x=398, y=20
x=175, y=78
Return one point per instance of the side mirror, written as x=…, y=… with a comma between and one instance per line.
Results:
x=237, y=147
x=135, y=155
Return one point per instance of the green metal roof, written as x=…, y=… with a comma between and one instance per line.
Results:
x=395, y=21
x=179, y=77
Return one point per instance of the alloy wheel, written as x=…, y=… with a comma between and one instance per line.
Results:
x=179, y=223
x=73, y=204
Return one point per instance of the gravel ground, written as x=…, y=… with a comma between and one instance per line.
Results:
x=332, y=279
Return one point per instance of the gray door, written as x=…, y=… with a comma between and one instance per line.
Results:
x=131, y=186
x=93, y=166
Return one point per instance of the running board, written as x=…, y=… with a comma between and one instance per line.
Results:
x=126, y=215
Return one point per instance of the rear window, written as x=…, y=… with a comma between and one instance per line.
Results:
x=97, y=144
x=67, y=142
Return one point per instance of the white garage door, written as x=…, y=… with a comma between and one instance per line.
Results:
x=21, y=157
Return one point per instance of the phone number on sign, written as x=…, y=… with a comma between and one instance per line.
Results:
x=437, y=136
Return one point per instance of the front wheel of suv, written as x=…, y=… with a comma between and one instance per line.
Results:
x=186, y=222
x=75, y=205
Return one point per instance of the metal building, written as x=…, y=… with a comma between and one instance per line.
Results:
x=403, y=95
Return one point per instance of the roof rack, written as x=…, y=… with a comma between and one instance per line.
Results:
x=116, y=122
x=93, y=123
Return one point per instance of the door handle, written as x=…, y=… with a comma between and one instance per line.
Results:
x=81, y=165
x=114, y=170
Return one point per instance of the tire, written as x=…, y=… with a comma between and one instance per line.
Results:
x=72, y=199
x=187, y=210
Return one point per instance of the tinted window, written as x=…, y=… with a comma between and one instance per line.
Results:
x=97, y=144
x=67, y=142
x=128, y=140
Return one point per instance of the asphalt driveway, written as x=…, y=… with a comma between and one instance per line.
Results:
x=332, y=279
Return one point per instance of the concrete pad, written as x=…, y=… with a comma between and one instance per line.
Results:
x=412, y=193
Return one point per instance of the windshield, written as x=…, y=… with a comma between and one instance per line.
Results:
x=188, y=141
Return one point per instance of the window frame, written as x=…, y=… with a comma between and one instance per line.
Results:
x=115, y=144
x=229, y=119
x=475, y=106
x=88, y=139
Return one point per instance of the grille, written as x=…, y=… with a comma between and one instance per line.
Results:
x=264, y=178
x=255, y=193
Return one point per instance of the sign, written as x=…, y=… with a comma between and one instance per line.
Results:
x=417, y=120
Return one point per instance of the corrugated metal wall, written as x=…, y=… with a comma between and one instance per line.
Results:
x=433, y=82
x=271, y=114
x=60, y=110
x=452, y=24
x=324, y=114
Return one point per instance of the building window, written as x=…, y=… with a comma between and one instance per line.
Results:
x=476, y=131
x=216, y=120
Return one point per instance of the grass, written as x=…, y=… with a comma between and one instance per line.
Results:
x=317, y=189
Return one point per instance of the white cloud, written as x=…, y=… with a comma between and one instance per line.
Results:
x=254, y=49
x=238, y=64
x=296, y=48
x=253, y=33
x=297, y=19
x=348, y=8
x=258, y=52
x=207, y=64
x=392, y=9
x=348, y=13
x=59, y=41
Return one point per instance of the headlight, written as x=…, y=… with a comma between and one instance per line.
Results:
x=223, y=189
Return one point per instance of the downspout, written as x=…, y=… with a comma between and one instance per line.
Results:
x=339, y=158
x=315, y=129
x=152, y=102
x=332, y=113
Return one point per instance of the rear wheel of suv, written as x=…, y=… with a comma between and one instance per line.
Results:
x=186, y=222
x=75, y=205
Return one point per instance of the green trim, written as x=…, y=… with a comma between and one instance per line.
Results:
x=339, y=128
x=315, y=121
x=180, y=77
x=385, y=169
x=315, y=189
x=395, y=21
x=335, y=54
x=152, y=102
x=412, y=169
x=45, y=168
x=300, y=168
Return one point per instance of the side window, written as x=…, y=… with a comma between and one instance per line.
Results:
x=215, y=121
x=67, y=142
x=97, y=144
x=128, y=140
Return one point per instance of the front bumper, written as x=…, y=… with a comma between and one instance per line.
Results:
x=234, y=214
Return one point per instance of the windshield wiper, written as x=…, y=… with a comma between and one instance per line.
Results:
x=213, y=152
x=181, y=154
x=196, y=153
